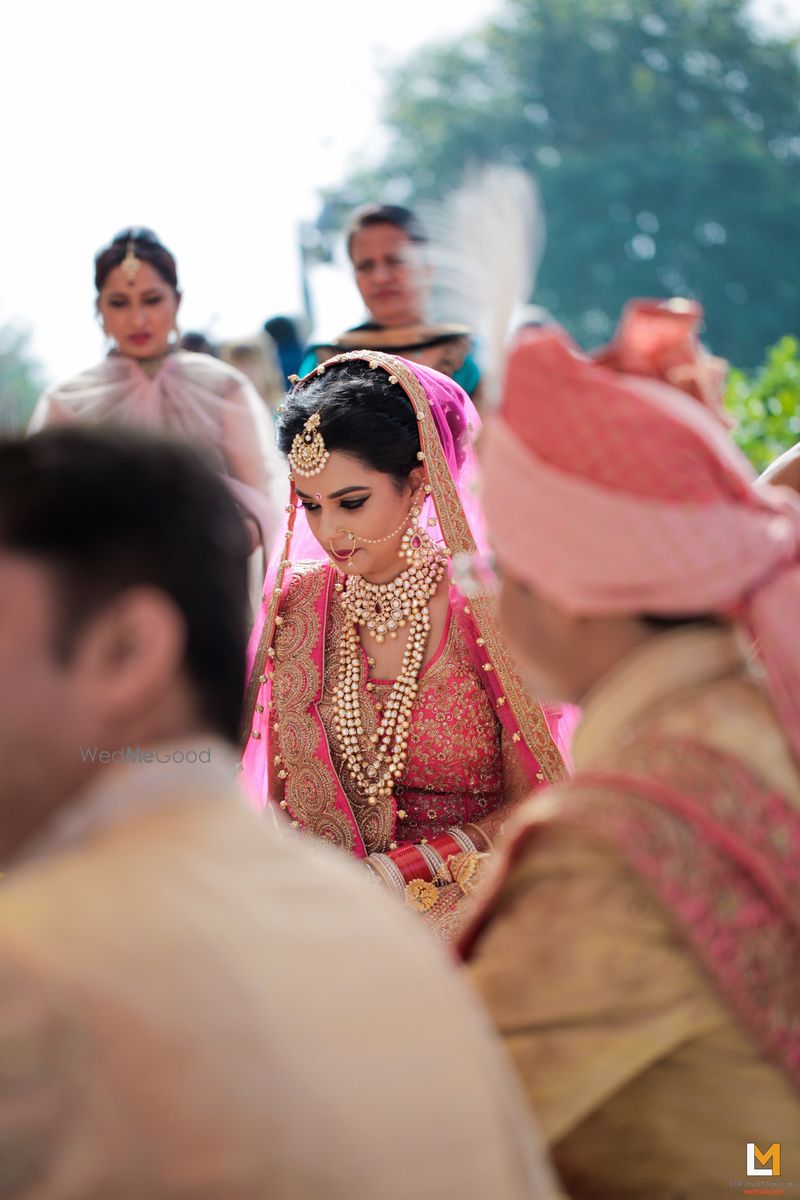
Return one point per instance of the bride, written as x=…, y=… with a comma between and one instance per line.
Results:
x=383, y=713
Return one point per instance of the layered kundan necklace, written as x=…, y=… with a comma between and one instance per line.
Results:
x=377, y=761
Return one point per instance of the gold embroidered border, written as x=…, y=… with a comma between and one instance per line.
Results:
x=708, y=895
x=528, y=712
x=375, y=822
x=257, y=672
x=310, y=789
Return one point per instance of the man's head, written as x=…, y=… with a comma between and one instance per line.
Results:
x=386, y=244
x=562, y=655
x=122, y=609
x=639, y=513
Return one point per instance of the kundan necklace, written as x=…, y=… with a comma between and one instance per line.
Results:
x=377, y=762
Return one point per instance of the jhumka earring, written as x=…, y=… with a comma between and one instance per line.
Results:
x=130, y=263
x=308, y=455
x=415, y=542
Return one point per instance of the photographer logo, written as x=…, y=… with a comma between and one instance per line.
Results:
x=757, y=1160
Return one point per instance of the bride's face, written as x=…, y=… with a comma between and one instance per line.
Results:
x=138, y=314
x=347, y=498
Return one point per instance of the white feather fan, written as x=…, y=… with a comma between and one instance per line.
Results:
x=487, y=242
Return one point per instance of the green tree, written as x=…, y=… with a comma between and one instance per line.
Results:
x=665, y=136
x=766, y=404
x=19, y=380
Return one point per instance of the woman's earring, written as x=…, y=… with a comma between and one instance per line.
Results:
x=110, y=343
x=413, y=539
x=174, y=335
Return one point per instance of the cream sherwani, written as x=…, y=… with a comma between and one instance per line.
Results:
x=194, y=1006
x=645, y=1082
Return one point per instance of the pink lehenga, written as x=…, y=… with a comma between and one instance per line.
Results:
x=478, y=743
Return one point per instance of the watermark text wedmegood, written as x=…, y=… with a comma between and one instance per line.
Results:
x=135, y=754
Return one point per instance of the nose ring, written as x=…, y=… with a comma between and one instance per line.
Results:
x=351, y=537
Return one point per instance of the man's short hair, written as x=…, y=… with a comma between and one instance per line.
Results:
x=385, y=214
x=115, y=509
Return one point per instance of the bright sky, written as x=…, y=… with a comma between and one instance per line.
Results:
x=215, y=124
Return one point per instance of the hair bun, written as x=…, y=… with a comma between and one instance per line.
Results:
x=148, y=248
x=136, y=233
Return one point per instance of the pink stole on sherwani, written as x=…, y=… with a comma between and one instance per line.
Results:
x=720, y=849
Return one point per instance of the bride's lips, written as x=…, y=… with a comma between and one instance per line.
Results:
x=343, y=556
x=139, y=339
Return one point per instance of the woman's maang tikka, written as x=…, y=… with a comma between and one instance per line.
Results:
x=131, y=263
x=308, y=455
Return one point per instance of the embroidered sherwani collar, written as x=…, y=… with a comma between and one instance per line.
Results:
x=123, y=789
x=649, y=677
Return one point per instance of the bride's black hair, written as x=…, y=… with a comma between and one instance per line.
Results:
x=361, y=413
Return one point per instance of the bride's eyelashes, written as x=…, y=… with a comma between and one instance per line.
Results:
x=309, y=506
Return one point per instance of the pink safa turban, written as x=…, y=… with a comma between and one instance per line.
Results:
x=612, y=487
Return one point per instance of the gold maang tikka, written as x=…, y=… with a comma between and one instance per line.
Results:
x=130, y=263
x=308, y=455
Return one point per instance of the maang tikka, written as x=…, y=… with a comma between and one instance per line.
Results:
x=308, y=455
x=130, y=263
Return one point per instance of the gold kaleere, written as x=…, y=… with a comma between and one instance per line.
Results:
x=421, y=895
x=467, y=870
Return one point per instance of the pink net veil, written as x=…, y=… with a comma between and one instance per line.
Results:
x=449, y=426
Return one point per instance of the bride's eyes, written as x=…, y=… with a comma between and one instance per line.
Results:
x=349, y=504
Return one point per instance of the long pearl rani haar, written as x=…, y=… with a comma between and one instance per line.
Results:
x=377, y=762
